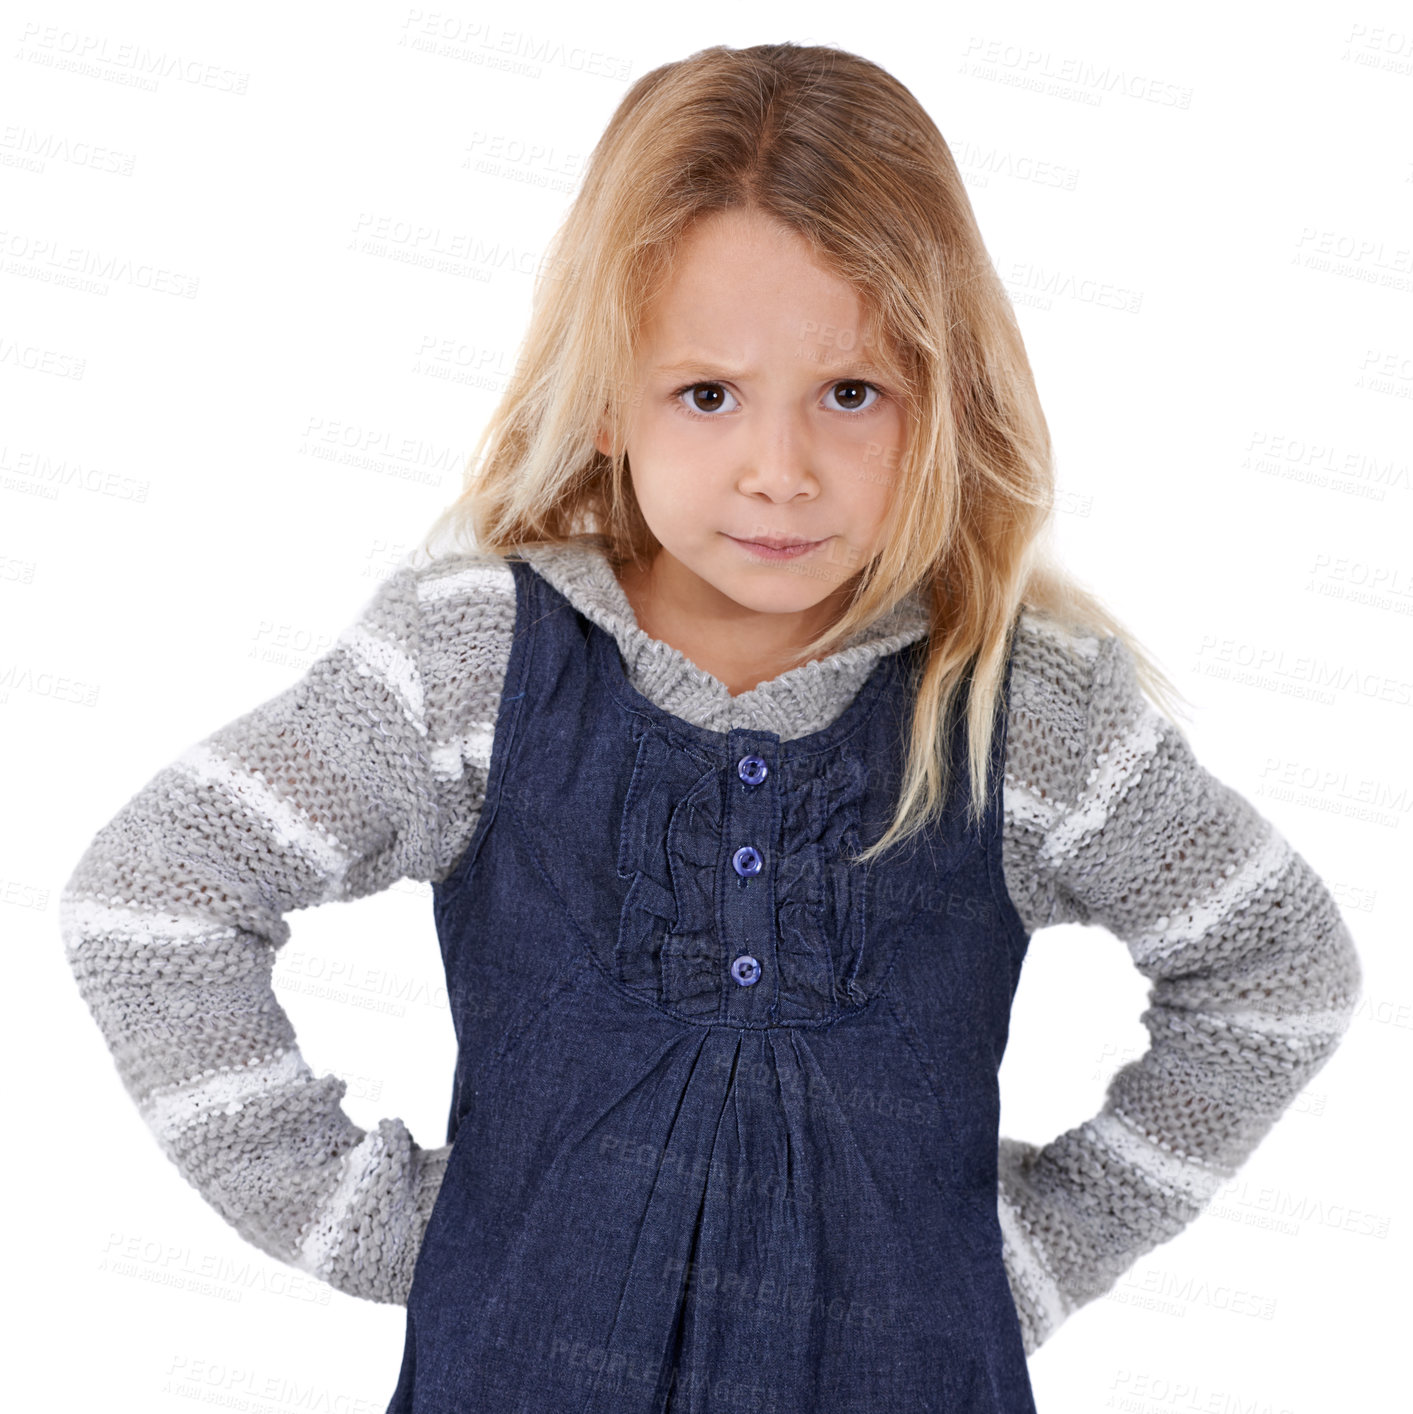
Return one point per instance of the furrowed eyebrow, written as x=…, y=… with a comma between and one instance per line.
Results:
x=710, y=369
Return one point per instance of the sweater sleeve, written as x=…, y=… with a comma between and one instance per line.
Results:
x=1110, y=820
x=332, y=790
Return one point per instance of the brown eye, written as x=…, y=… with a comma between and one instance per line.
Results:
x=703, y=399
x=706, y=397
x=855, y=391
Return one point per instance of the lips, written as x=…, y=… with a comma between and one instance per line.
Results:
x=775, y=543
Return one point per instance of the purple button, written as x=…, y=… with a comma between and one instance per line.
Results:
x=746, y=970
x=752, y=770
x=747, y=861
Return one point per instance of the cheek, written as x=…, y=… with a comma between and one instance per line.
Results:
x=670, y=486
x=869, y=513
x=884, y=465
x=867, y=474
x=661, y=440
x=673, y=462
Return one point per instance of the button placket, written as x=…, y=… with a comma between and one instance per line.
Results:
x=751, y=827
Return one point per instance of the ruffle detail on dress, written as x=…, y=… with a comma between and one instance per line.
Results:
x=820, y=896
x=670, y=845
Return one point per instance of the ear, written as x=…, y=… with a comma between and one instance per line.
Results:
x=602, y=442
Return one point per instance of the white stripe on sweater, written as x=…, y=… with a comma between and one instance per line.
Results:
x=1030, y=1267
x=1288, y=1025
x=471, y=582
x=1188, y=1178
x=1026, y=807
x=1258, y=871
x=1116, y=767
x=85, y=920
x=321, y=1243
x=292, y=828
x=1083, y=645
x=449, y=759
x=170, y=1109
x=390, y=666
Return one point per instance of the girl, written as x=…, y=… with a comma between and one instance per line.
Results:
x=746, y=730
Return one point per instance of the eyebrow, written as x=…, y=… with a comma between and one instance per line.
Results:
x=711, y=369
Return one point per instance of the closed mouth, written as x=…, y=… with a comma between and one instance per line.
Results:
x=773, y=544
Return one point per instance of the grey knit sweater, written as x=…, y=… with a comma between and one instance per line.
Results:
x=373, y=767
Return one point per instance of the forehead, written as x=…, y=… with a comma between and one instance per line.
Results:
x=740, y=281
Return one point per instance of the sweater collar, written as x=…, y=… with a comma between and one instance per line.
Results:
x=803, y=700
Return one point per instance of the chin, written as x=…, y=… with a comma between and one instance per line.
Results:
x=778, y=594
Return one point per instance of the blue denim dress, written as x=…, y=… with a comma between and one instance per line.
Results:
x=725, y=1112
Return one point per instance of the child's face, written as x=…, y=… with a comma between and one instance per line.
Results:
x=788, y=439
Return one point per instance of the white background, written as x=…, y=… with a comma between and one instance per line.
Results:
x=199, y=492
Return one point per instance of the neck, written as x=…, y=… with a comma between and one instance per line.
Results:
x=739, y=646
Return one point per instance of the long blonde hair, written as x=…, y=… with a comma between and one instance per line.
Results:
x=840, y=152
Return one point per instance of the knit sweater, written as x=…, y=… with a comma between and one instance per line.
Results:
x=373, y=767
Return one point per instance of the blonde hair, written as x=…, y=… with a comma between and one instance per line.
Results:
x=835, y=149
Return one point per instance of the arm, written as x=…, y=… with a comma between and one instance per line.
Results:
x=334, y=789
x=1111, y=820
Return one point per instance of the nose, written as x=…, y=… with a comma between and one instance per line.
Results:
x=778, y=458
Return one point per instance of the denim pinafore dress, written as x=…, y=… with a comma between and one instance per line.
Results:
x=725, y=1112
